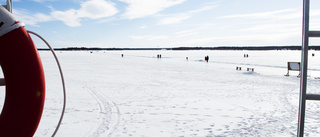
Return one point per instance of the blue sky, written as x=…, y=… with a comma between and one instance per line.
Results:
x=166, y=23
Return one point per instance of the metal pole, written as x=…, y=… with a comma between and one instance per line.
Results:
x=304, y=69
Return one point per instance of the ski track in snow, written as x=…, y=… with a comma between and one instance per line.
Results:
x=267, y=121
x=109, y=114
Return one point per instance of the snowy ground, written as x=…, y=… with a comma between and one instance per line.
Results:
x=141, y=95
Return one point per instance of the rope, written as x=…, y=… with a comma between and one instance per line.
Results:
x=62, y=79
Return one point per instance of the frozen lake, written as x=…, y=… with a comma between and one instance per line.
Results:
x=141, y=95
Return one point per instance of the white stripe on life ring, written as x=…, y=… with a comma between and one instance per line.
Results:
x=7, y=21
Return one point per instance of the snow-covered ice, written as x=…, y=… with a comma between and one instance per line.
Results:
x=141, y=95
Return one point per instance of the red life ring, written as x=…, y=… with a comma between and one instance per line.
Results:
x=24, y=79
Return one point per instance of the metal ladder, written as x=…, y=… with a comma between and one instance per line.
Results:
x=304, y=64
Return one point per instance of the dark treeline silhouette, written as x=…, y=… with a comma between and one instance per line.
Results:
x=195, y=48
x=248, y=48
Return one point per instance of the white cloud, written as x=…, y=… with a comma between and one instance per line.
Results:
x=143, y=27
x=205, y=8
x=314, y=24
x=63, y=43
x=96, y=9
x=148, y=37
x=206, y=25
x=178, y=18
x=275, y=28
x=315, y=12
x=92, y=9
x=68, y=17
x=186, y=33
x=41, y=1
x=31, y=19
x=280, y=14
x=173, y=19
x=143, y=8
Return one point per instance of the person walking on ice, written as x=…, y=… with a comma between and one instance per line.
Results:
x=206, y=58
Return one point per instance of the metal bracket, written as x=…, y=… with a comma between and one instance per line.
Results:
x=8, y=6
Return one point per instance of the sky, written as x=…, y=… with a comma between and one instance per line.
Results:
x=166, y=23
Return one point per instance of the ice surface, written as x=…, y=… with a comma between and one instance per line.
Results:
x=141, y=95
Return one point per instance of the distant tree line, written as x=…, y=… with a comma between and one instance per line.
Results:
x=248, y=48
x=194, y=48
